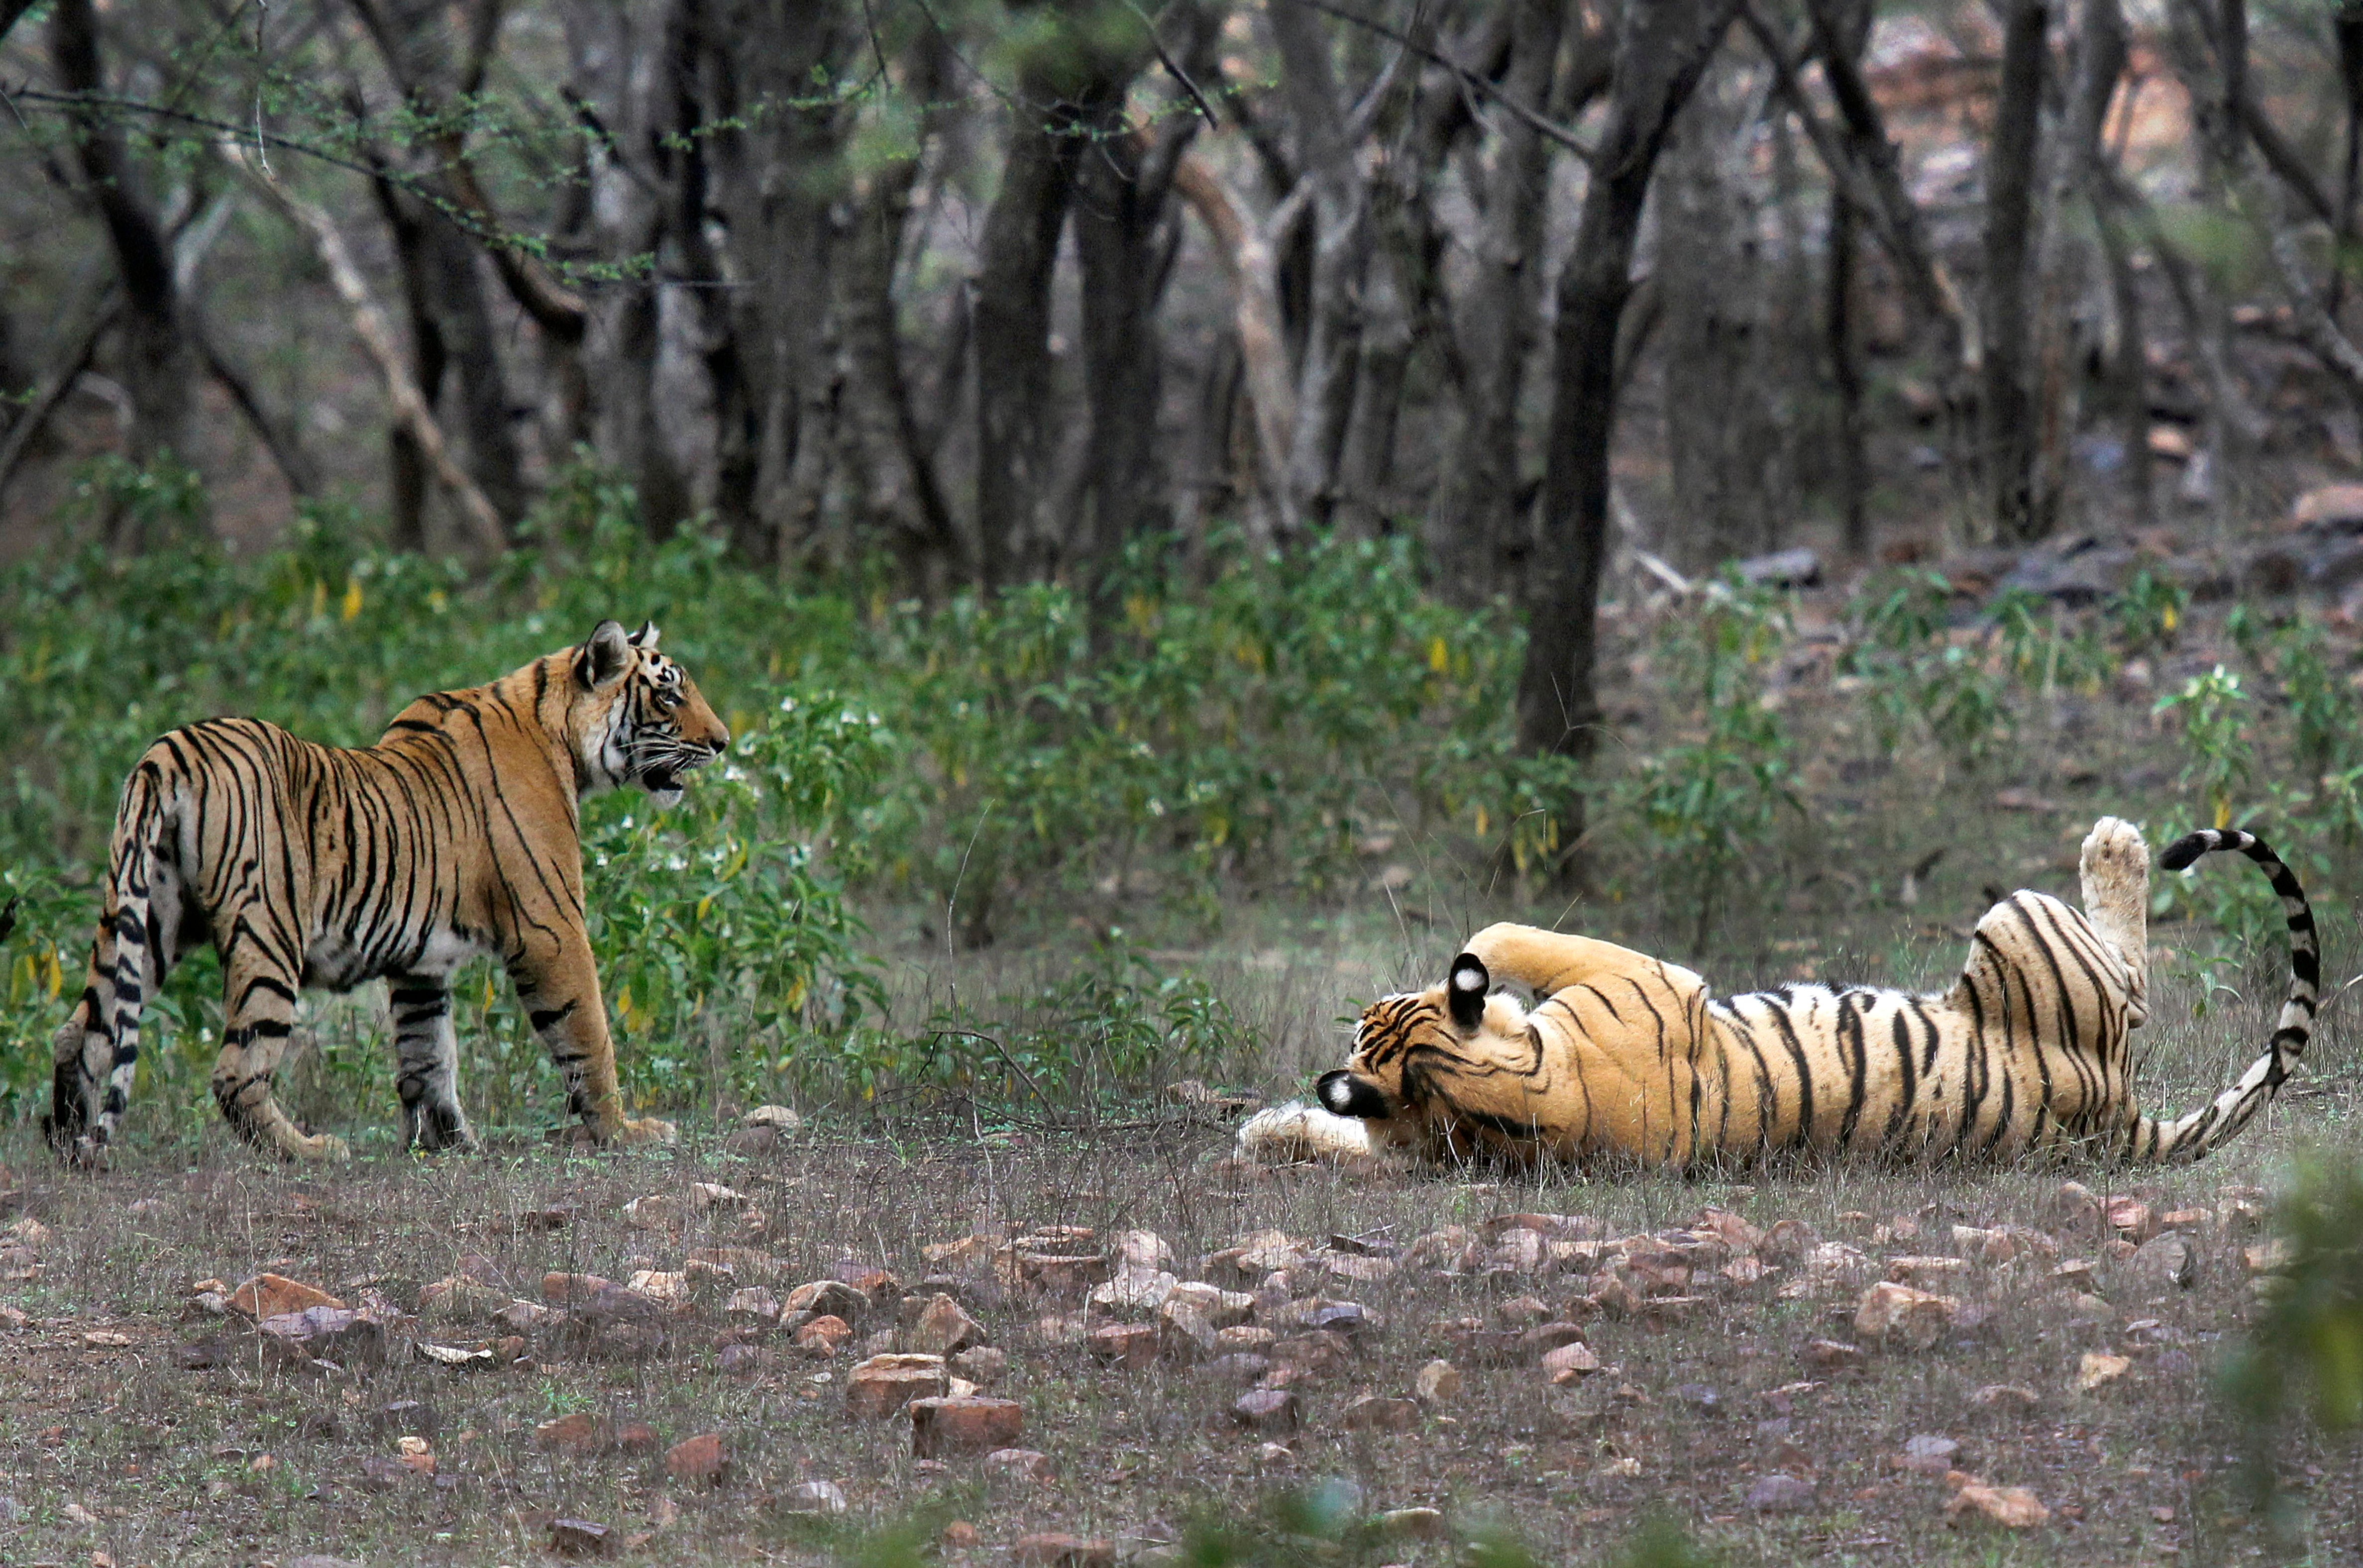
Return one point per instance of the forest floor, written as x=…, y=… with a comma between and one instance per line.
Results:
x=144, y=1420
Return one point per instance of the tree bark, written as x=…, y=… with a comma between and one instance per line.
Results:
x=2007, y=411
x=159, y=364
x=1662, y=46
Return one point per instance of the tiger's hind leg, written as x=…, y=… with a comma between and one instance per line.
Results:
x=259, y=1018
x=2116, y=874
x=428, y=1076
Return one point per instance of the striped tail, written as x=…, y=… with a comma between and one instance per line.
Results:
x=2199, y=1135
x=113, y=1016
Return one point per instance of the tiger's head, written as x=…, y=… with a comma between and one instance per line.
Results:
x=1404, y=1043
x=637, y=717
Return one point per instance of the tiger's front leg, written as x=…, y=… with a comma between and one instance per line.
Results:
x=560, y=992
x=427, y=1055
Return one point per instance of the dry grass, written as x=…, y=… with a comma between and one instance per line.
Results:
x=169, y=1460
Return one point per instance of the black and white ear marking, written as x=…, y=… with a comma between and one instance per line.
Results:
x=1343, y=1094
x=1465, y=991
x=603, y=655
x=646, y=637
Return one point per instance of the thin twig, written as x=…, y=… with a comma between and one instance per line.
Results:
x=1149, y=24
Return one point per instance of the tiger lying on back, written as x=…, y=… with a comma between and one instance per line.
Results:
x=459, y=833
x=1627, y=1056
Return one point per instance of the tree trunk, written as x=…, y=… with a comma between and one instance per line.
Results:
x=1662, y=46
x=1477, y=514
x=1851, y=34
x=2010, y=434
x=159, y=364
x=1116, y=222
x=2346, y=27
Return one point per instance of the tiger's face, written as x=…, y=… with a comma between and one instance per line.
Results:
x=637, y=717
x=1402, y=1041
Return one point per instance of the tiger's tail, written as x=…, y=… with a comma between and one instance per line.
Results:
x=2200, y=1134
x=113, y=1016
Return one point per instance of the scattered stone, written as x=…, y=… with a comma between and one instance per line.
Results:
x=699, y=1460
x=1926, y=1456
x=952, y=1424
x=1058, y=1550
x=2165, y=1259
x=523, y=1317
x=1900, y=1313
x=1239, y=1367
x=1316, y=1355
x=960, y=1535
x=654, y=1212
x=324, y=1333
x=12, y=1319
x=744, y=1360
x=1924, y=1270
x=459, y=1358
x=1221, y=1309
x=1133, y=1290
x=812, y=1497
x=566, y=1289
x=882, y=1384
x=666, y=1288
x=2010, y=1397
x=827, y=1299
x=2098, y=1369
x=577, y=1432
x=581, y=1538
x=275, y=1296
x=1269, y=1411
x=823, y=1337
x=2130, y=1218
x=779, y=1117
x=1127, y=1346
x=2331, y=508
x=1376, y=1413
x=1245, y=1337
x=981, y=1364
x=1831, y=1355
x=1778, y=1491
x=1797, y=568
x=1185, y=1331
x=1569, y=1362
x=2013, y=1508
x=942, y=1328
x=1063, y=1275
x=1413, y=1524
x=1017, y=1465
x=753, y=1301
x=1438, y=1383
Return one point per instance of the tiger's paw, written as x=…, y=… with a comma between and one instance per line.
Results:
x=325, y=1149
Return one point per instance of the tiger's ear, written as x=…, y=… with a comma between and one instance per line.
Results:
x=604, y=656
x=646, y=637
x=1465, y=991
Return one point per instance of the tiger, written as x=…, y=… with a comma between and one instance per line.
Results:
x=1630, y=1059
x=310, y=866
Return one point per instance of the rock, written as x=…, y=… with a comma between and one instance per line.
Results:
x=459, y=1358
x=1184, y=1331
x=744, y=1360
x=1317, y=1354
x=812, y=1497
x=1144, y=1250
x=2010, y=1397
x=2130, y=1218
x=1375, y=1413
x=1063, y=1275
x=1569, y=1362
x=1544, y=1338
x=1799, y=568
x=2331, y=508
x=1245, y=1337
x=699, y=1460
x=1831, y=1355
x=1904, y=1314
x=779, y=1117
x=523, y=1317
x=325, y=1333
x=2075, y=569
x=753, y=1301
x=823, y=1337
x=2098, y=1369
x=981, y=1364
x=2013, y=1508
x=1240, y=1366
x=1017, y=1465
x=565, y=1289
x=942, y=1328
x=1050, y=1550
x=1220, y=1308
x=1133, y=1290
x=954, y=1425
x=1127, y=1345
x=1271, y=1412
x=1925, y=1270
x=1348, y=1318
x=275, y=1296
x=654, y=1212
x=827, y=1299
x=460, y=1299
x=1777, y=1492
x=960, y=1535
x=2164, y=1259
x=581, y=1538
x=882, y=1384
x=1412, y=1524
x=577, y=1432
x=1926, y=1456
x=1438, y=1383
x=668, y=1289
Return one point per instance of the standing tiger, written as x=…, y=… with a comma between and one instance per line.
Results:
x=458, y=833
x=1629, y=1056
